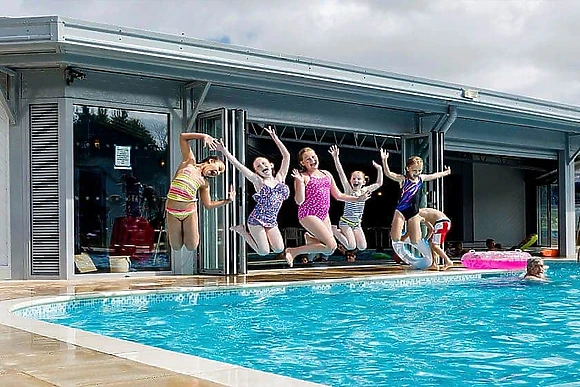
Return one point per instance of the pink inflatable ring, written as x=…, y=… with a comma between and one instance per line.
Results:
x=510, y=260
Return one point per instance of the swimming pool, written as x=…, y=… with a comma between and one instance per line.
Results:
x=457, y=330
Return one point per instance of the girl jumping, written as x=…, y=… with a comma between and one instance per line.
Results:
x=313, y=188
x=349, y=231
x=407, y=209
x=263, y=234
x=181, y=205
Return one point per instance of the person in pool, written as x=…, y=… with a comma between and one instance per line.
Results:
x=536, y=270
x=263, y=234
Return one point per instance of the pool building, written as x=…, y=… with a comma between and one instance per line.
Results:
x=90, y=116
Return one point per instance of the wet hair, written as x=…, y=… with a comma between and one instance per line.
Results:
x=414, y=160
x=365, y=177
x=532, y=262
x=300, y=156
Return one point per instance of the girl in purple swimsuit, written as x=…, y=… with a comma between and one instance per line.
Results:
x=263, y=234
x=313, y=188
x=408, y=207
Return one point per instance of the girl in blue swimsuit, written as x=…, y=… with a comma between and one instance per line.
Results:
x=408, y=207
x=263, y=234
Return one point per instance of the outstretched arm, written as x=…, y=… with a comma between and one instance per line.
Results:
x=334, y=151
x=209, y=204
x=184, y=138
x=335, y=192
x=379, y=182
x=391, y=175
x=281, y=175
x=299, y=185
x=437, y=175
x=248, y=174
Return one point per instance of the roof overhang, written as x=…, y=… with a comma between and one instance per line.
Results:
x=54, y=41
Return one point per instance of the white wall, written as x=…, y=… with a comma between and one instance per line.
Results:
x=4, y=197
x=498, y=204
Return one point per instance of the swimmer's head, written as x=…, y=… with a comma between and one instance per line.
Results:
x=358, y=179
x=308, y=159
x=263, y=167
x=414, y=167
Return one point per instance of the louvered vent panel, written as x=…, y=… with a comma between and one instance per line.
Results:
x=44, y=189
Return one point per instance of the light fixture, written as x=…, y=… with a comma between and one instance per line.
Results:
x=470, y=93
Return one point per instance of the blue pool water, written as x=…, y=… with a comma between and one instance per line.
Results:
x=496, y=330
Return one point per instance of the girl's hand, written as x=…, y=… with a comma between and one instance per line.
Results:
x=384, y=154
x=219, y=145
x=232, y=193
x=271, y=132
x=334, y=151
x=365, y=196
x=378, y=166
x=210, y=142
x=297, y=175
x=447, y=169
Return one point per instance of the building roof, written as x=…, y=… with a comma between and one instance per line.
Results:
x=52, y=40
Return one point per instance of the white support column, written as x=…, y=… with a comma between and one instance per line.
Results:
x=566, y=216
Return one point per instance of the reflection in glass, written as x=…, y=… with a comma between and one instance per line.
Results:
x=121, y=178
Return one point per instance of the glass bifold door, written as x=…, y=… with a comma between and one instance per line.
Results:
x=221, y=251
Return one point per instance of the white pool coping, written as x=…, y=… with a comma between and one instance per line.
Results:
x=206, y=369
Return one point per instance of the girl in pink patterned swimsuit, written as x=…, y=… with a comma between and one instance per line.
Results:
x=313, y=188
x=263, y=234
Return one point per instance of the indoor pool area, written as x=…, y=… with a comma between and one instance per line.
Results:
x=302, y=327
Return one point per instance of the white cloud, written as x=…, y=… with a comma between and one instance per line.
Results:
x=523, y=47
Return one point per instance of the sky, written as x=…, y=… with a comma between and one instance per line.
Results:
x=523, y=47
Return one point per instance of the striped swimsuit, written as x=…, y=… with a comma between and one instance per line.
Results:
x=184, y=188
x=353, y=212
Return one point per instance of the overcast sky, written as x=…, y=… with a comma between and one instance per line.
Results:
x=523, y=47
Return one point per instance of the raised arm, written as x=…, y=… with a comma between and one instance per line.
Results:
x=379, y=182
x=334, y=151
x=391, y=175
x=248, y=174
x=437, y=175
x=184, y=138
x=299, y=185
x=283, y=171
x=335, y=192
x=209, y=204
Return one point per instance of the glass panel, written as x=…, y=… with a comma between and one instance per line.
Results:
x=554, y=214
x=121, y=178
x=544, y=235
x=213, y=228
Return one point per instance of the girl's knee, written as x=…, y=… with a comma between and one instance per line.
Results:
x=261, y=252
x=277, y=248
x=330, y=247
x=361, y=246
x=192, y=245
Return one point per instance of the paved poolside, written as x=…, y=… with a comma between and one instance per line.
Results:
x=30, y=359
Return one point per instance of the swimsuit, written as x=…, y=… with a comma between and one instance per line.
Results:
x=440, y=230
x=408, y=204
x=316, y=198
x=268, y=202
x=353, y=212
x=184, y=188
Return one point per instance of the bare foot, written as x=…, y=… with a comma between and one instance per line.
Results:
x=447, y=265
x=289, y=258
x=240, y=228
x=433, y=267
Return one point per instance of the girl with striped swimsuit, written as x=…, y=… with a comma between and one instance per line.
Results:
x=263, y=234
x=190, y=178
x=349, y=231
x=313, y=188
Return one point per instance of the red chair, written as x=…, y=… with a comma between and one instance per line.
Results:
x=132, y=236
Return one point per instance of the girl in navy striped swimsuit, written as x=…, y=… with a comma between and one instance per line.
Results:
x=408, y=207
x=349, y=231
